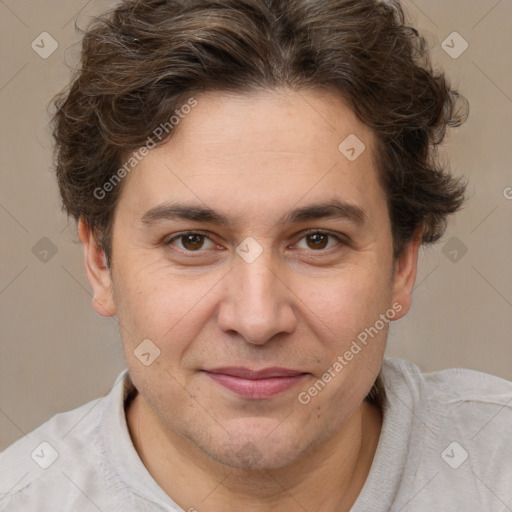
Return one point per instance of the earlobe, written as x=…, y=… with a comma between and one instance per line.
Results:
x=405, y=275
x=97, y=271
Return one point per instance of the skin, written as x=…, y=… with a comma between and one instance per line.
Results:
x=254, y=157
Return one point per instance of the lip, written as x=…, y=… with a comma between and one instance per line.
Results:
x=256, y=384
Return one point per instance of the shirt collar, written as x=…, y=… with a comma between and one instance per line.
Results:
x=121, y=453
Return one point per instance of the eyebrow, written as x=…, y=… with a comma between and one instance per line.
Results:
x=334, y=209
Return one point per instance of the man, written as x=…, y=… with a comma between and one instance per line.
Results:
x=252, y=181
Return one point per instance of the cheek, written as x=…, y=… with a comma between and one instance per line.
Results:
x=348, y=301
x=354, y=311
x=161, y=304
x=147, y=303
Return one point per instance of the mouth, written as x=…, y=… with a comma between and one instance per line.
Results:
x=256, y=384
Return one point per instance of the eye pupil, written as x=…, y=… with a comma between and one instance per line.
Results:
x=319, y=240
x=192, y=242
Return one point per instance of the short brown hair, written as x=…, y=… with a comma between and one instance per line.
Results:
x=141, y=62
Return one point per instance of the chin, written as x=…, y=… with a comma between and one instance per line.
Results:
x=253, y=457
x=255, y=448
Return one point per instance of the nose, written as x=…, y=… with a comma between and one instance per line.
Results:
x=257, y=303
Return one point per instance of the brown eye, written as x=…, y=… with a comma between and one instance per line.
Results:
x=191, y=242
x=317, y=240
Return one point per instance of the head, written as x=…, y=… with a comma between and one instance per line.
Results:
x=252, y=181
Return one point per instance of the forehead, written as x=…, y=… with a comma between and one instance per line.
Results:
x=308, y=123
x=238, y=150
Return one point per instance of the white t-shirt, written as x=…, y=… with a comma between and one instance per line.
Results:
x=445, y=445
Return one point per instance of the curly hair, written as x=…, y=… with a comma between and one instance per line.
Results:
x=143, y=60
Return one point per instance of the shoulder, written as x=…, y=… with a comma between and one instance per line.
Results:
x=42, y=469
x=453, y=386
x=459, y=432
x=470, y=398
x=41, y=456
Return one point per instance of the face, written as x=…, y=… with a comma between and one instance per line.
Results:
x=294, y=274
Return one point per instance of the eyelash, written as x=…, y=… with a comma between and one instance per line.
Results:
x=304, y=234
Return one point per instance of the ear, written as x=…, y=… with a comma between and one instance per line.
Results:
x=405, y=275
x=97, y=271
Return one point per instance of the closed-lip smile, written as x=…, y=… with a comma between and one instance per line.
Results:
x=256, y=384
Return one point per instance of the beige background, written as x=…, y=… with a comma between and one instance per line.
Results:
x=57, y=354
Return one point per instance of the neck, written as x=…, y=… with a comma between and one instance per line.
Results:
x=338, y=466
